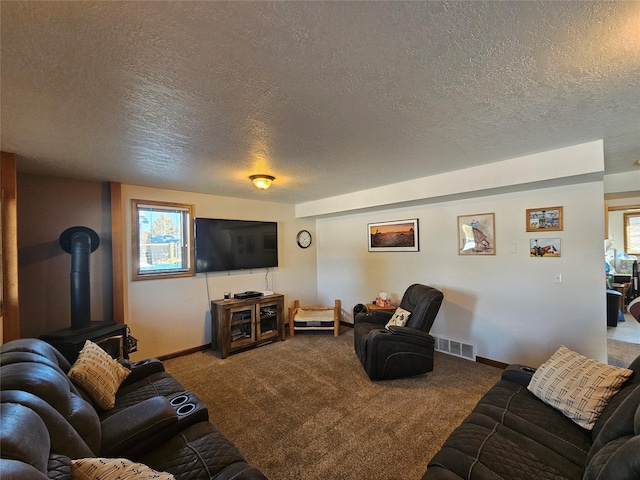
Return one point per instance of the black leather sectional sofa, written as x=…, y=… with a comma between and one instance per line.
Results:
x=46, y=421
x=511, y=434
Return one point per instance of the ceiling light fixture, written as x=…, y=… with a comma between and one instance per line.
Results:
x=262, y=181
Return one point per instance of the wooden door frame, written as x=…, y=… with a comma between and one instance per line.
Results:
x=9, y=309
x=118, y=255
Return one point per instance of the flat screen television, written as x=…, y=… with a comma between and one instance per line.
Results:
x=223, y=245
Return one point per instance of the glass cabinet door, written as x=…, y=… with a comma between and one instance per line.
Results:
x=267, y=323
x=242, y=322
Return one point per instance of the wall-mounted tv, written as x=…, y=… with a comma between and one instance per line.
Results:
x=223, y=245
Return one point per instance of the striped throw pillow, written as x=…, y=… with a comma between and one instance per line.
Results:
x=113, y=468
x=578, y=386
x=98, y=374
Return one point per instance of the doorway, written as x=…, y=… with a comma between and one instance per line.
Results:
x=623, y=340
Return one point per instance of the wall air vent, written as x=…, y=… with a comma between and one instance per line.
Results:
x=455, y=347
x=442, y=345
x=467, y=351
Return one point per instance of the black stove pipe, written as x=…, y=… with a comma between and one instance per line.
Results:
x=80, y=242
x=80, y=282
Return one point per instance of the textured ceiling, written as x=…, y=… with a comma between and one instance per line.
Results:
x=329, y=97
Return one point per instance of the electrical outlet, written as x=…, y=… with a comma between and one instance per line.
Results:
x=557, y=278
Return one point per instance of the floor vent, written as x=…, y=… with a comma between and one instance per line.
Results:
x=455, y=347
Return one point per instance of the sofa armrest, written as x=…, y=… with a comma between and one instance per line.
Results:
x=18, y=470
x=410, y=332
x=520, y=374
x=377, y=317
x=137, y=425
x=141, y=369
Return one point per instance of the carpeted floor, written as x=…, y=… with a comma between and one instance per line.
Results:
x=304, y=409
x=621, y=354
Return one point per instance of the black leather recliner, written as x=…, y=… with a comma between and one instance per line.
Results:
x=397, y=351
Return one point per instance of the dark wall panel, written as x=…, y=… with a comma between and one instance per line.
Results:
x=46, y=207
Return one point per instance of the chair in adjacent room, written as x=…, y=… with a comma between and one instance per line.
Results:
x=394, y=351
x=634, y=308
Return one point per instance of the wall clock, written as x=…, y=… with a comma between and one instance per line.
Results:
x=303, y=238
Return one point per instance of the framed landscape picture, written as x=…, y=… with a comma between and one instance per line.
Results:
x=477, y=234
x=544, y=219
x=396, y=236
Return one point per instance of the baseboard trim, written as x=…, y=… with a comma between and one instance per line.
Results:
x=188, y=351
x=201, y=348
x=342, y=323
x=492, y=363
x=182, y=353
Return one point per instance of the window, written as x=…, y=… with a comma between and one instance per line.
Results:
x=162, y=239
x=632, y=233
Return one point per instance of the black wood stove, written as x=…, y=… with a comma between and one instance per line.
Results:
x=81, y=242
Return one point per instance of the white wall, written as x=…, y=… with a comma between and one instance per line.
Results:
x=616, y=230
x=172, y=315
x=507, y=305
x=628, y=182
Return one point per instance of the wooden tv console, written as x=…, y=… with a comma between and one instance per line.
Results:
x=239, y=324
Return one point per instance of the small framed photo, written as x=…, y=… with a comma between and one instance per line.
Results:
x=545, y=247
x=544, y=219
x=477, y=234
x=396, y=236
